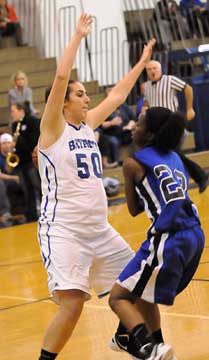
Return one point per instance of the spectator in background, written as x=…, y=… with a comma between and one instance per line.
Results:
x=160, y=90
x=14, y=191
x=173, y=23
x=192, y=4
x=140, y=101
x=26, y=140
x=118, y=127
x=9, y=22
x=4, y=206
x=104, y=147
x=192, y=10
x=20, y=92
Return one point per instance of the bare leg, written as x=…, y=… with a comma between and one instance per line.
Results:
x=122, y=303
x=138, y=319
x=150, y=313
x=63, y=323
x=130, y=313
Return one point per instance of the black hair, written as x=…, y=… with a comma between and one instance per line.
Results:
x=20, y=105
x=166, y=126
x=26, y=106
x=48, y=90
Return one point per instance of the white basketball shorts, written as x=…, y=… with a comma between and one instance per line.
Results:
x=83, y=263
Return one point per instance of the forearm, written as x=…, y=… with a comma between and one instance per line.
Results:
x=6, y=176
x=188, y=92
x=106, y=124
x=124, y=86
x=53, y=121
x=66, y=63
x=52, y=117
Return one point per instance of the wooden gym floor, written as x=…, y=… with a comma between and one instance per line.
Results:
x=26, y=309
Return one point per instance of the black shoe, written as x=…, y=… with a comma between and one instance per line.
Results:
x=203, y=184
x=124, y=342
x=155, y=352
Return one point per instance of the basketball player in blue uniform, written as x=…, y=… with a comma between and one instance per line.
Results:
x=80, y=249
x=156, y=181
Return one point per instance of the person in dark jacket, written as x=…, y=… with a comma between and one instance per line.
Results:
x=118, y=127
x=25, y=129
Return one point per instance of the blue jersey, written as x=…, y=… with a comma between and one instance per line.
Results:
x=164, y=191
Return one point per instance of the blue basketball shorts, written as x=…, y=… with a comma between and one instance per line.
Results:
x=164, y=265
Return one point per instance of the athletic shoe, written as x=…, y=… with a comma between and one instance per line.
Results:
x=119, y=342
x=159, y=352
x=134, y=358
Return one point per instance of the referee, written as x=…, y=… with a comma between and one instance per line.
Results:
x=161, y=90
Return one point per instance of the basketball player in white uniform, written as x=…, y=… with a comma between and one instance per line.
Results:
x=79, y=247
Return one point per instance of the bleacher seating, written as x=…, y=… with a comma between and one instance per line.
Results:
x=40, y=73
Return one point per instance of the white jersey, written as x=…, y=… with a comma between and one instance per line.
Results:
x=71, y=175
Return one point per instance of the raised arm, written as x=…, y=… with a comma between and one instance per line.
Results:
x=120, y=91
x=53, y=122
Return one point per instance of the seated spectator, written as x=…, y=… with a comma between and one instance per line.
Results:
x=192, y=10
x=140, y=101
x=20, y=92
x=9, y=22
x=10, y=188
x=192, y=4
x=104, y=147
x=118, y=127
x=173, y=23
x=25, y=129
x=4, y=206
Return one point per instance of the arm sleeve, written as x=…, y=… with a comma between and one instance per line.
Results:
x=28, y=94
x=177, y=84
x=29, y=140
x=11, y=97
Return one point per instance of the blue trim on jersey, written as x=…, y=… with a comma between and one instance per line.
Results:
x=43, y=215
x=76, y=128
x=47, y=176
x=40, y=242
x=56, y=187
x=49, y=247
x=45, y=258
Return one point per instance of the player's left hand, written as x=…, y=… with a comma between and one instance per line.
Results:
x=147, y=51
x=83, y=26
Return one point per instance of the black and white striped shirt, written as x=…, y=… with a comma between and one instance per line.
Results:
x=163, y=92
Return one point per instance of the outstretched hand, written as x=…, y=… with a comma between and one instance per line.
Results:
x=83, y=26
x=147, y=51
